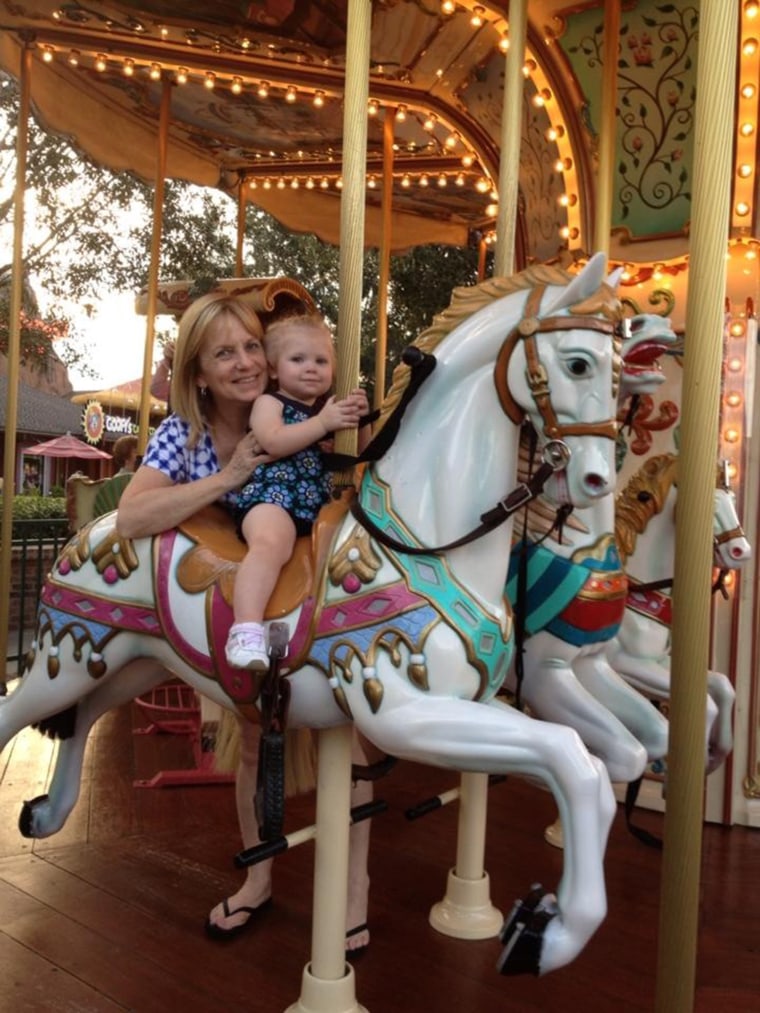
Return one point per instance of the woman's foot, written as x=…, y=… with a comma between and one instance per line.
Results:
x=236, y=913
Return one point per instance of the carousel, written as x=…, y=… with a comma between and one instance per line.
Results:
x=583, y=548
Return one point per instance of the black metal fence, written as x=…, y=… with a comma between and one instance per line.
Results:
x=35, y=546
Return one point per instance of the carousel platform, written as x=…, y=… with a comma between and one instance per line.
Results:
x=108, y=914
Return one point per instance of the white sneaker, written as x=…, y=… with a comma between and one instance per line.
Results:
x=246, y=647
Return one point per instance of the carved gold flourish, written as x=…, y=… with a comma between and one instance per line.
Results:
x=751, y=786
x=118, y=552
x=356, y=556
x=77, y=551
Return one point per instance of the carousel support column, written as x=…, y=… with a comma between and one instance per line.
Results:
x=681, y=859
x=155, y=250
x=466, y=911
x=240, y=235
x=381, y=339
x=328, y=982
x=604, y=186
x=14, y=354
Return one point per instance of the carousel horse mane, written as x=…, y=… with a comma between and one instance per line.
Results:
x=643, y=497
x=465, y=301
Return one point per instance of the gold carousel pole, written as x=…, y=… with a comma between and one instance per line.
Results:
x=384, y=256
x=700, y=402
x=240, y=236
x=606, y=171
x=155, y=250
x=14, y=353
x=466, y=911
x=328, y=982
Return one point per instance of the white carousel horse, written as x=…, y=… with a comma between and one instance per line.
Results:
x=645, y=526
x=570, y=599
x=412, y=648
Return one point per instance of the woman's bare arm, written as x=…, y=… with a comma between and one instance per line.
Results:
x=152, y=502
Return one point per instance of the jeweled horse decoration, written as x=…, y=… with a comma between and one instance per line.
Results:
x=645, y=525
x=411, y=647
x=568, y=589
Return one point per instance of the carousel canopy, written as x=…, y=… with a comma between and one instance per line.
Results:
x=257, y=105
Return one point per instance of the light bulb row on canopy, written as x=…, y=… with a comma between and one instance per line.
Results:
x=740, y=332
x=405, y=180
x=745, y=156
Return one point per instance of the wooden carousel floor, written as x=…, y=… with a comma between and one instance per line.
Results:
x=108, y=914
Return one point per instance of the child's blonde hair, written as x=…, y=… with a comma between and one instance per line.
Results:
x=279, y=330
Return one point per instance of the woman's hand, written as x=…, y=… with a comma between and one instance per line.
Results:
x=246, y=457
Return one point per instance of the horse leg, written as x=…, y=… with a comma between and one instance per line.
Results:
x=644, y=721
x=46, y=814
x=721, y=736
x=552, y=690
x=496, y=739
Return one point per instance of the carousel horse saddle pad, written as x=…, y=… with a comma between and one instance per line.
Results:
x=217, y=551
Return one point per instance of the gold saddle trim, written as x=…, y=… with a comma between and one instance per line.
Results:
x=217, y=551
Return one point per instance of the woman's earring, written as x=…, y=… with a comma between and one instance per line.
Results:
x=204, y=393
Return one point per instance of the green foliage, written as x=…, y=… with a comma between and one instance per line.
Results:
x=39, y=509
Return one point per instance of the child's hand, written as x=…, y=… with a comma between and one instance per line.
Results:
x=344, y=414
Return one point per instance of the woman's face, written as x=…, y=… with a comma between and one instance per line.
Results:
x=231, y=362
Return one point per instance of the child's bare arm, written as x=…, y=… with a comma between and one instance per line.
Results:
x=281, y=440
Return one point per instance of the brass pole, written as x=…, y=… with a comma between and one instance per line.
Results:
x=240, y=236
x=328, y=961
x=155, y=251
x=14, y=354
x=511, y=137
x=607, y=129
x=384, y=257
x=700, y=402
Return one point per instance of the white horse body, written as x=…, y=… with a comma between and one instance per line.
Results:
x=641, y=649
x=411, y=648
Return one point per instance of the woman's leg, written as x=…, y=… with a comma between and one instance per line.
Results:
x=234, y=913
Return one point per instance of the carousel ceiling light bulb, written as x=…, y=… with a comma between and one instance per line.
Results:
x=733, y=399
x=181, y=75
x=476, y=19
x=291, y=93
x=47, y=54
x=237, y=85
x=155, y=71
x=748, y=90
x=74, y=57
x=209, y=80
x=263, y=89
x=424, y=181
x=101, y=62
x=747, y=129
x=744, y=171
x=401, y=113
x=129, y=67
x=373, y=107
x=406, y=181
x=504, y=43
x=324, y=183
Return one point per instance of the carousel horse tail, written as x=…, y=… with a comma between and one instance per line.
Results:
x=59, y=726
x=300, y=754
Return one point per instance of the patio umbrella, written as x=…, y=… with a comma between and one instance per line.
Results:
x=67, y=446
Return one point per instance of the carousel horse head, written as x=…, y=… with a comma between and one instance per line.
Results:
x=651, y=493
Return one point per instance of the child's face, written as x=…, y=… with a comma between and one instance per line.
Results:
x=304, y=367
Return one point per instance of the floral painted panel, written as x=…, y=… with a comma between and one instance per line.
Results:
x=655, y=103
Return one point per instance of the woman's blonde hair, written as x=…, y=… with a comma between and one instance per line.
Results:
x=186, y=397
x=279, y=330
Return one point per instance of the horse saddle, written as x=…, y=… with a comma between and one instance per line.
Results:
x=218, y=550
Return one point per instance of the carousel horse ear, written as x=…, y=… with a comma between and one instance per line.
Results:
x=580, y=287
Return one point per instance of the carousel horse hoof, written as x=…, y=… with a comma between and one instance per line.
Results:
x=523, y=933
x=357, y=950
x=217, y=932
x=26, y=816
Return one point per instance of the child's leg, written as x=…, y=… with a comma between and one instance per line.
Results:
x=270, y=535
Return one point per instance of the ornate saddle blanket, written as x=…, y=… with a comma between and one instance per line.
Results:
x=652, y=604
x=580, y=600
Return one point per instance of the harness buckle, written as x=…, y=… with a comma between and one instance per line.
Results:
x=520, y=495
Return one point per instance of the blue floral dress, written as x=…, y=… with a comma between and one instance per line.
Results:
x=298, y=483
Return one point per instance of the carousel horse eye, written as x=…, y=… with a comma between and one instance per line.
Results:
x=644, y=497
x=578, y=367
